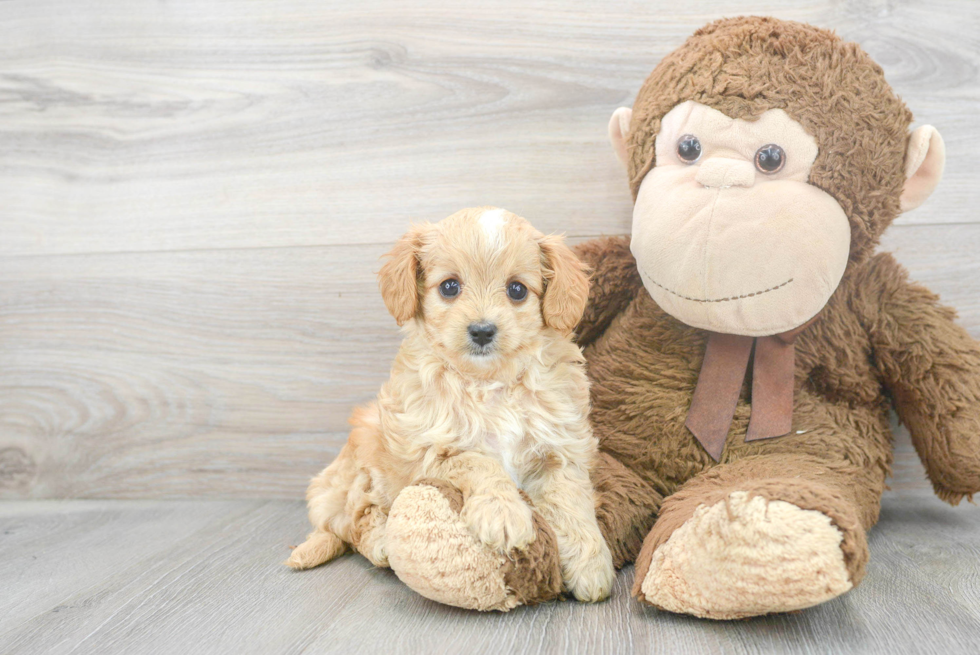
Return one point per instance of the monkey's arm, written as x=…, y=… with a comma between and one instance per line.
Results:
x=931, y=365
x=615, y=282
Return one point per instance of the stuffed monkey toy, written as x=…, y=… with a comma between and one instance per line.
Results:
x=746, y=344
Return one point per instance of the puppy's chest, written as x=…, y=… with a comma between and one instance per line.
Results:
x=506, y=425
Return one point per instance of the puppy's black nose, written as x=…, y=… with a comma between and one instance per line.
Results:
x=482, y=333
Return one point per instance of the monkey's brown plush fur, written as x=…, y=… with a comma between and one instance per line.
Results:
x=750, y=531
x=881, y=341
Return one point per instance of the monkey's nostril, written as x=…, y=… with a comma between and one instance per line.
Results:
x=482, y=333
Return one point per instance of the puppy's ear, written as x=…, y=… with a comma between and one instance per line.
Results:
x=566, y=285
x=401, y=276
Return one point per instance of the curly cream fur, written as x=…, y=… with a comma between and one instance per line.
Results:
x=487, y=422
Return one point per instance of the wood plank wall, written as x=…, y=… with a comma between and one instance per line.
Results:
x=194, y=197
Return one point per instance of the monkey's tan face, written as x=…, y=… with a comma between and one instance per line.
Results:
x=727, y=233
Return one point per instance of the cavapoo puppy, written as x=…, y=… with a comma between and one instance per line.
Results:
x=488, y=392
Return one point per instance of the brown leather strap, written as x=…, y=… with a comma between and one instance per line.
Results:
x=726, y=359
x=773, y=367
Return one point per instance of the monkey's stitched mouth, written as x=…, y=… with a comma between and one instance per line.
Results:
x=740, y=297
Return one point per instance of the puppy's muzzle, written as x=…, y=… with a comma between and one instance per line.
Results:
x=482, y=334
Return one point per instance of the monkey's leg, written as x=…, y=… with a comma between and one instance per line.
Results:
x=765, y=534
x=432, y=550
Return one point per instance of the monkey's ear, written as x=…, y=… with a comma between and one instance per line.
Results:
x=619, y=128
x=566, y=290
x=924, y=163
x=401, y=275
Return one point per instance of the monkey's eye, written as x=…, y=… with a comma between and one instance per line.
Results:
x=449, y=288
x=516, y=291
x=769, y=159
x=689, y=148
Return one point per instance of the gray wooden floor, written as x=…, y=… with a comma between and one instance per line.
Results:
x=204, y=576
x=191, y=577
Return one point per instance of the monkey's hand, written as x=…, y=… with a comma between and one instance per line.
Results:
x=615, y=282
x=931, y=365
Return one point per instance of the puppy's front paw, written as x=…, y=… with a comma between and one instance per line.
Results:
x=500, y=523
x=591, y=578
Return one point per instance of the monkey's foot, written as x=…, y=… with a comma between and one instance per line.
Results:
x=744, y=556
x=431, y=550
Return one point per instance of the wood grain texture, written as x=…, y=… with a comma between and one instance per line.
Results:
x=135, y=126
x=194, y=197
x=205, y=577
x=231, y=373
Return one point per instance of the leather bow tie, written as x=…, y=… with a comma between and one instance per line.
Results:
x=726, y=360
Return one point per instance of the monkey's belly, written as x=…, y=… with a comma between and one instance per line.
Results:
x=642, y=390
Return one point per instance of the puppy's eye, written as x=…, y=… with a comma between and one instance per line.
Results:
x=770, y=159
x=449, y=288
x=689, y=148
x=516, y=291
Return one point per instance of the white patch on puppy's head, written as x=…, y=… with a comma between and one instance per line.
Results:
x=492, y=222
